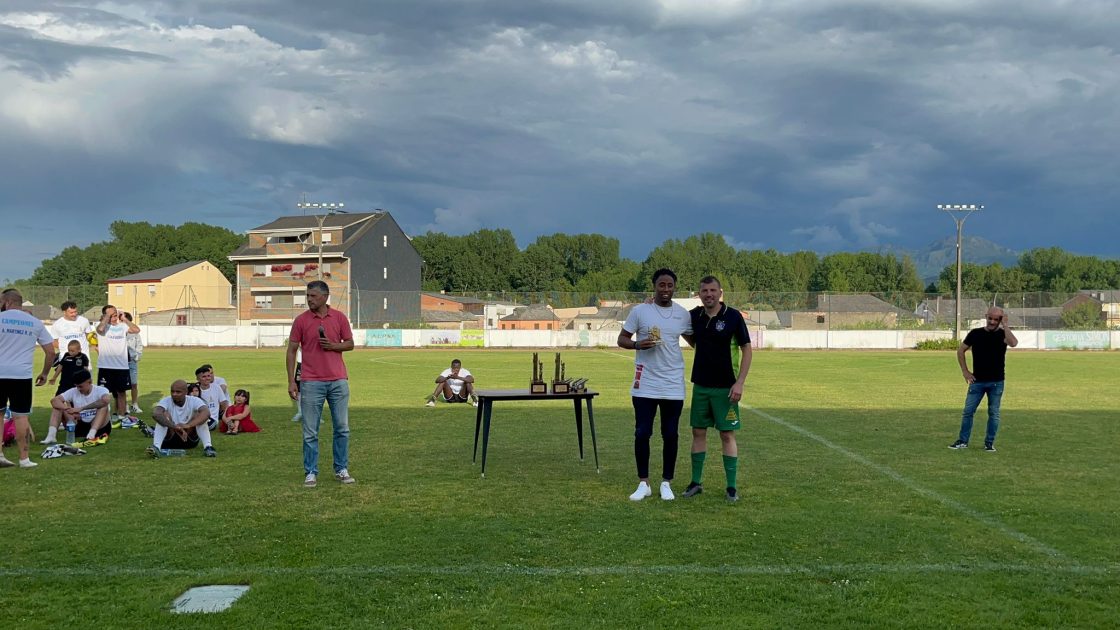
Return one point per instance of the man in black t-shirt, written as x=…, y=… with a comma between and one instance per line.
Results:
x=989, y=349
x=723, y=358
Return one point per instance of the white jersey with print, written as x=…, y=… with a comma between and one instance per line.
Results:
x=77, y=400
x=19, y=334
x=65, y=330
x=659, y=370
x=455, y=384
x=182, y=415
x=213, y=396
x=112, y=348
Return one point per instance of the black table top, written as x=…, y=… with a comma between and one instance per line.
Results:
x=523, y=394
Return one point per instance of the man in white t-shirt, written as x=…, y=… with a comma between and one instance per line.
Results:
x=454, y=385
x=71, y=326
x=112, y=357
x=216, y=398
x=19, y=334
x=654, y=332
x=87, y=405
x=181, y=422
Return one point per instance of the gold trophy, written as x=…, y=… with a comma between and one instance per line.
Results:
x=655, y=334
x=560, y=384
x=537, y=384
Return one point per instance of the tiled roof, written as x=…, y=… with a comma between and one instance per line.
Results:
x=533, y=313
x=157, y=274
x=311, y=222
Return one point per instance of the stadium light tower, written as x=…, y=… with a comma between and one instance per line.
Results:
x=959, y=212
x=331, y=208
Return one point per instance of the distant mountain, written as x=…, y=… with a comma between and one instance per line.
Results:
x=942, y=253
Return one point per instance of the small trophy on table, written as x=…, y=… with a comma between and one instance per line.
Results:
x=560, y=383
x=537, y=384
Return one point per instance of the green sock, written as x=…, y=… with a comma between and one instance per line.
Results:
x=698, y=466
x=730, y=466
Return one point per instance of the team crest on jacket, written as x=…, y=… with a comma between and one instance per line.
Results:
x=720, y=325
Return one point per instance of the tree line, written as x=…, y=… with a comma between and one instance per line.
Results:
x=490, y=261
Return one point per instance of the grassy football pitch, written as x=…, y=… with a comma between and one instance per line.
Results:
x=853, y=511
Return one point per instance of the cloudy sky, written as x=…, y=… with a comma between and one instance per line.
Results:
x=821, y=124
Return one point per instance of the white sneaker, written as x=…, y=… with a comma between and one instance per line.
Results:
x=297, y=417
x=642, y=492
x=309, y=481
x=344, y=476
x=6, y=463
x=430, y=403
x=134, y=408
x=49, y=441
x=667, y=492
x=27, y=463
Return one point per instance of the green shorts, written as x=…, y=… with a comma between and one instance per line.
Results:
x=711, y=407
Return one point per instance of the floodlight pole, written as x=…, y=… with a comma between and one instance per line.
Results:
x=959, y=212
x=332, y=208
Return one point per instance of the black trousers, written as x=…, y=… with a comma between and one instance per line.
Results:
x=645, y=409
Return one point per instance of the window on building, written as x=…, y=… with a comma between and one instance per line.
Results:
x=288, y=238
x=299, y=300
x=328, y=237
x=536, y=326
x=262, y=270
x=151, y=289
x=262, y=301
x=326, y=267
x=181, y=319
x=820, y=319
x=120, y=290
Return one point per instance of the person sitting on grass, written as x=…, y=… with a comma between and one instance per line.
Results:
x=454, y=385
x=239, y=416
x=181, y=422
x=85, y=404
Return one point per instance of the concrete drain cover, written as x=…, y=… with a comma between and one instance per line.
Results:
x=208, y=599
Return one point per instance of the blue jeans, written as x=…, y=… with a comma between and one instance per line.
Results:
x=312, y=396
x=976, y=391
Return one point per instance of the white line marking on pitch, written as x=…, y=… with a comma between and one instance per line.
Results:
x=926, y=492
x=522, y=570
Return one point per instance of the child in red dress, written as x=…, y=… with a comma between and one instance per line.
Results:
x=239, y=416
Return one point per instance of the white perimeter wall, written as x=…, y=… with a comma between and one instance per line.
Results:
x=271, y=336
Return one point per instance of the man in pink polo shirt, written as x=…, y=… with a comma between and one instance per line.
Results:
x=322, y=334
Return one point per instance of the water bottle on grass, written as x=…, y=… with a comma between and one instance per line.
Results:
x=174, y=452
x=70, y=426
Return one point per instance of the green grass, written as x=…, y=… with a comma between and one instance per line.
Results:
x=854, y=512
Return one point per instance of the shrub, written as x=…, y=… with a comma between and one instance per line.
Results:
x=938, y=344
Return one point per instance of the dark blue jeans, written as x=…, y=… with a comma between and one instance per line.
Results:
x=976, y=391
x=645, y=409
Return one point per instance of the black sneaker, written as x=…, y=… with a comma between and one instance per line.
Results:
x=692, y=490
x=732, y=495
x=959, y=444
x=209, y=452
x=989, y=447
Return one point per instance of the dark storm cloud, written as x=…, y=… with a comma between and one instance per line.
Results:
x=823, y=124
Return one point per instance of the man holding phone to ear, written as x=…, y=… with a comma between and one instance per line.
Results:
x=989, y=350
